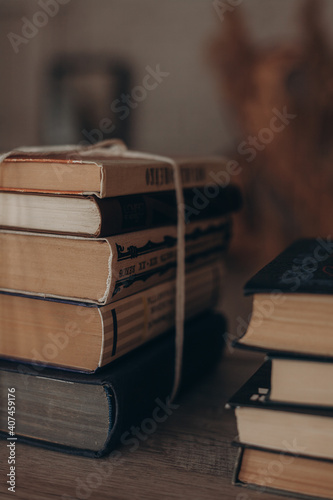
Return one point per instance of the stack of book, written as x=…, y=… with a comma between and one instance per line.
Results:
x=284, y=412
x=87, y=280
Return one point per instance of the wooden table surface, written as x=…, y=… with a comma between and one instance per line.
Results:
x=189, y=456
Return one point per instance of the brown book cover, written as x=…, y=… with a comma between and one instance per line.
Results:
x=104, y=269
x=81, y=337
x=287, y=474
x=79, y=171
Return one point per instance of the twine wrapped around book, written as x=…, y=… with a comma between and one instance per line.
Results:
x=115, y=147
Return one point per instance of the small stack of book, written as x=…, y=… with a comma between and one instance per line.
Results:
x=284, y=412
x=87, y=277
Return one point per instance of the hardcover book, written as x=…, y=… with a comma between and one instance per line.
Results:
x=89, y=414
x=284, y=473
x=105, y=269
x=95, y=217
x=293, y=301
x=260, y=422
x=82, y=337
x=86, y=171
x=301, y=380
x=304, y=267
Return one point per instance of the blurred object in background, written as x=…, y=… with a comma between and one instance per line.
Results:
x=83, y=93
x=282, y=99
x=178, y=116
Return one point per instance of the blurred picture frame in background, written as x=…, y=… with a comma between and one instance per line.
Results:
x=80, y=90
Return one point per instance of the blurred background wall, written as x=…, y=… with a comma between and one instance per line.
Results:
x=183, y=115
x=179, y=116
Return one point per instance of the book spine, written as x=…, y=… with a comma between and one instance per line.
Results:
x=125, y=214
x=144, y=259
x=144, y=211
x=132, y=321
x=155, y=177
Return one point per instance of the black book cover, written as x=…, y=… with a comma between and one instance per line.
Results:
x=278, y=353
x=255, y=394
x=244, y=446
x=137, y=380
x=298, y=357
x=144, y=211
x=304, y=267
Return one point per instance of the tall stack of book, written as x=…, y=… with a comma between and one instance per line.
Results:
x=284, y=412
x=87, y=279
